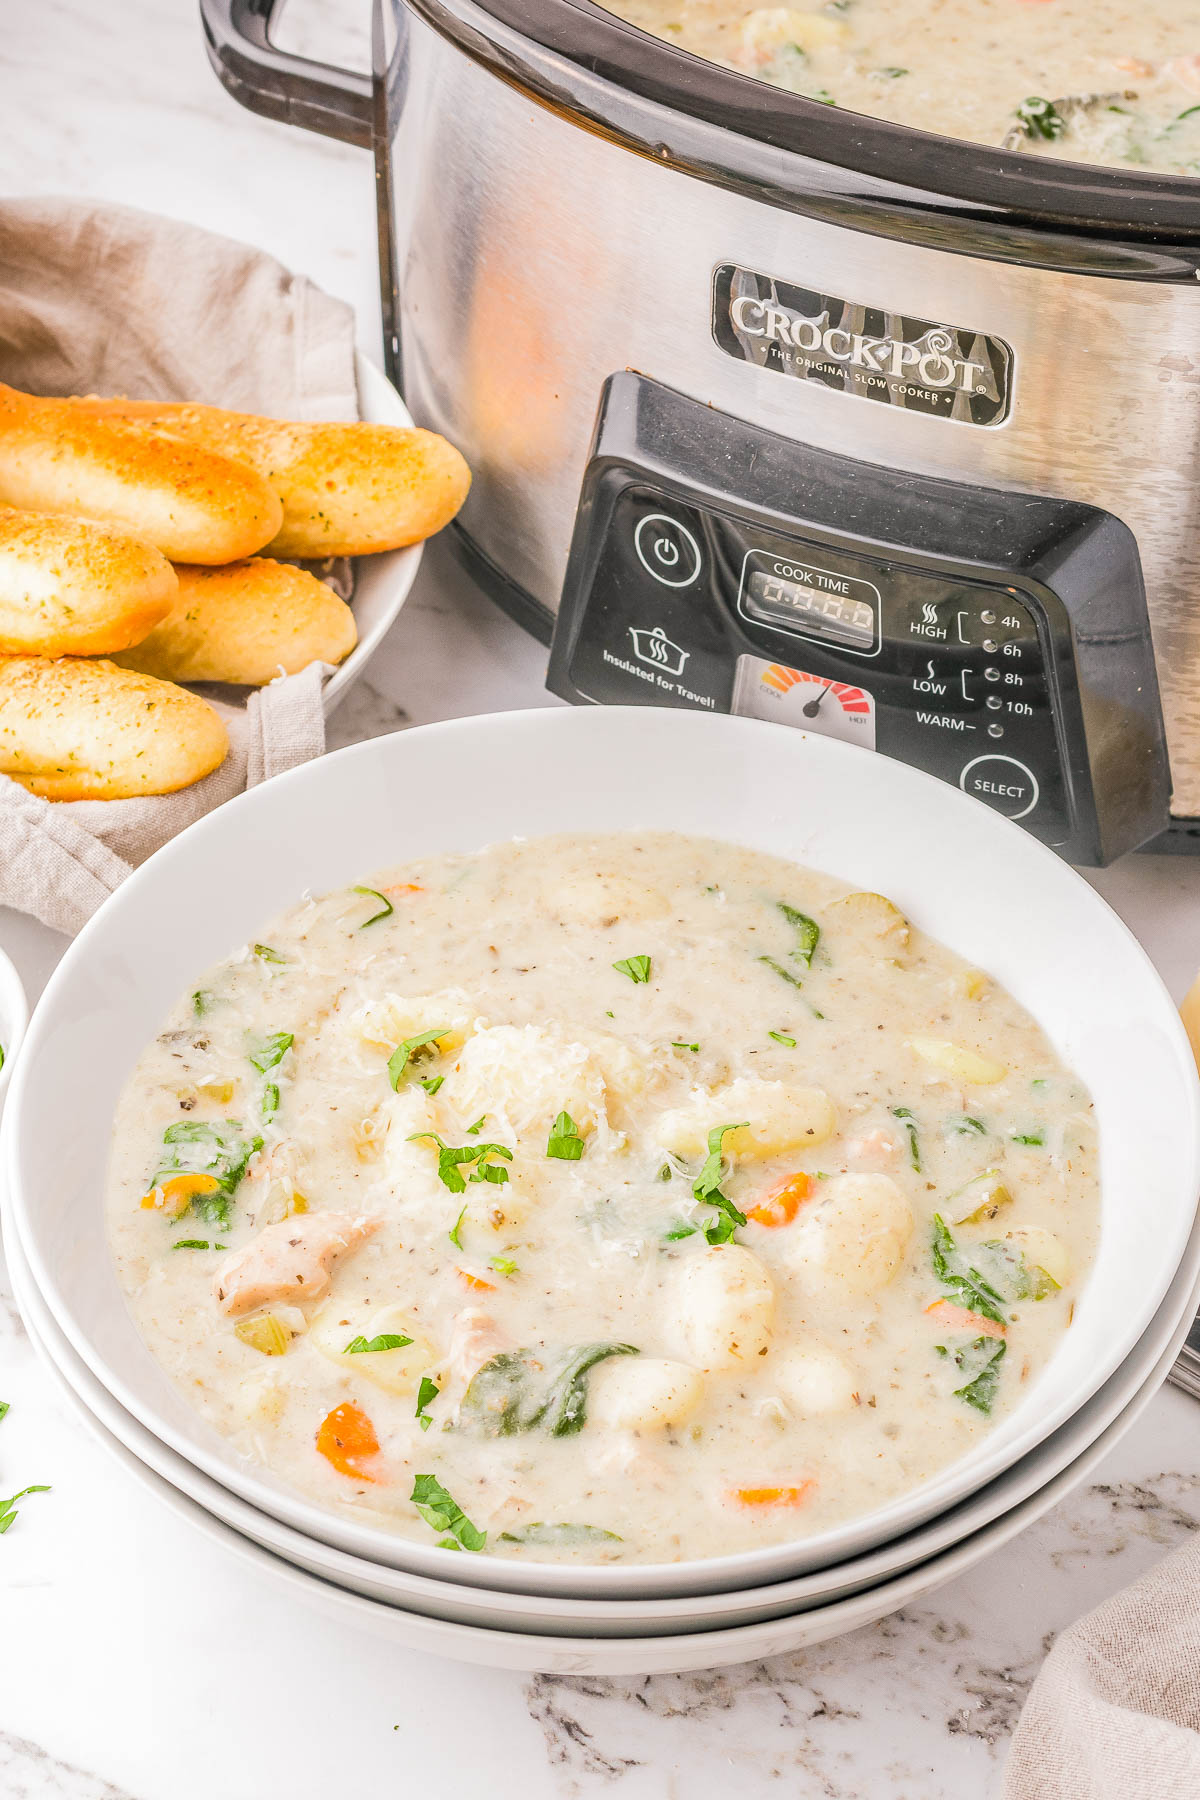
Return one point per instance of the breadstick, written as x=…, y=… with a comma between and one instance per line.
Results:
x=245, y=623
x=78, y=730
x=71, y=588
x=190, y=502
x=347, y=489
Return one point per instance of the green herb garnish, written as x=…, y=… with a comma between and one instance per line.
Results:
x=265, y=953
x=443, y=1513
x=503, y=1265
x=427, y=1393
x=431, y=1083
x=193, y=1244
x=692, y=1047
x=808, y=933
x=477, y=1127
x=403, y=1054
x=1040, y=118
x=201, y=1001
x=387, y=1340
x=707, y=1188
x=781, y=1037
x=773, y=962
x=1032, y=1138
x=966, y=1126
x=455, y=1232
x=8, y=1508
x=387, y=908
x=909, y=1121
x=452, y=1160
x=957, y=1274
x=564, y=1142
x=636, y=967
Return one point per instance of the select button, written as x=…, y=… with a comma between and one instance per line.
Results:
x=667, y=550
x=1002, y=783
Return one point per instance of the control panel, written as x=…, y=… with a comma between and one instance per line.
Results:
x=998, y=641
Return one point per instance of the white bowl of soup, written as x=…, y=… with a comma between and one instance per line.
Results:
x=644, y=1152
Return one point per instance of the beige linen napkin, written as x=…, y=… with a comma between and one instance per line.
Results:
x=1115, y=1712
x=111, y=300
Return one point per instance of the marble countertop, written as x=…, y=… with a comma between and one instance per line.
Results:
x=137, y=1660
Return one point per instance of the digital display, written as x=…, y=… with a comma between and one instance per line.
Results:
x=840, y=617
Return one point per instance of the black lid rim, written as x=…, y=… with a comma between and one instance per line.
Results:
x=723, y=126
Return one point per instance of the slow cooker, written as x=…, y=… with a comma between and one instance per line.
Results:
x=780, y=410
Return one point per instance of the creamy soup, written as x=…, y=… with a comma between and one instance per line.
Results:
x=1095, y=81
x=632, y=1198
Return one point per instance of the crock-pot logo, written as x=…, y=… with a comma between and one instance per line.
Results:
x=923, y=365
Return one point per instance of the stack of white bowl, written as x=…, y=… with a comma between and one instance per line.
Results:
x=977, y=882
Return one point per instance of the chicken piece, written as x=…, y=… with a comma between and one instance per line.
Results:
x=474, y=1340
x=288, y=1261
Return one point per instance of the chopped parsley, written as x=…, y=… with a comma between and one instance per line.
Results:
x=564, y=1142
x=386, y=907
x=195, y=1244
x=404, y=1053
x=431, y=1083
x=1031, y=1138
x=781, y=1037
x=442, y=1512
x=387, y=1340
x=908, y=1119
x=451, y=1161
x=692, y=1047
x=265, y=953
x=427, y=1393
x=636, y=967
x=503, y=1265
x=455, y=1232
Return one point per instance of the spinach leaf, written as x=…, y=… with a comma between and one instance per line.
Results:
x=540, y=1533
x=566, y=1408
x=957, y=1274
x=808, y=933
x=1040, y=118
x=507, y=1394
x=271, y=1051
x=514, y=1392
x=979, y=1360
x=220, y=1148
x=909, y=1120
x=565, y=1141
x=404, y=1053
x=443, y=1513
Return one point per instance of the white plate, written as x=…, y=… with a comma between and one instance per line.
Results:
x=14, y=1017
x=1117, y=1404
x=578, y=1655
x=972, y=879
x=381, y=583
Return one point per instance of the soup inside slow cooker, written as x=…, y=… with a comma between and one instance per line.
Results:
x=1092, y=81
x=609, y=1199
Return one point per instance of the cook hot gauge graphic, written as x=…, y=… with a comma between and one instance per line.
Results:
x=999, y=641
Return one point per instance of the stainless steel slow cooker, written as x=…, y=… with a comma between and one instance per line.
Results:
x=781, y=410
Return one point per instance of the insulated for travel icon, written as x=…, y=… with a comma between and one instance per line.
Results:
x=655, y=647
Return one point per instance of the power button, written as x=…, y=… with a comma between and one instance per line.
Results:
x=667, y=550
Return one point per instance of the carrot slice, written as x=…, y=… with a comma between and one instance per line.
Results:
x=476, y=1283
x=957, y=1318
x=176, y=1195
x=780, y=1204
x=346, y=1438
x=405, y=887
x=774, y=1496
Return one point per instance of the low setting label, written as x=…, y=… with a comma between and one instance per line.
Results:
x=924, y=365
